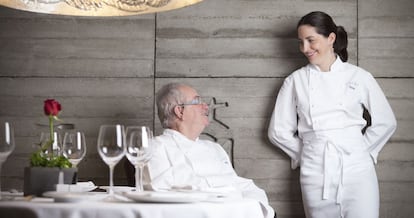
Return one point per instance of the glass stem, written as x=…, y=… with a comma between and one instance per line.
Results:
x=111, y=180
x=138, y=178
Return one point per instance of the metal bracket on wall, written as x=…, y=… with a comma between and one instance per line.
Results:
x=219, y=131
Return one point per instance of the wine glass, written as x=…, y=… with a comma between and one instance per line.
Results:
x=6, y=144
x=139, y=150
x=55, y=148
x=111, y=148
x=74, y=147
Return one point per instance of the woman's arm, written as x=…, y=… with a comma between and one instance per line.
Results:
x=283, y=126
x=383, y=122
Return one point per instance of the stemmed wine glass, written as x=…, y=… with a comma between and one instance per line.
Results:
x=111, y=148
x=6, y=144
x=74, y=147
x=55, y=148
x=139, y=150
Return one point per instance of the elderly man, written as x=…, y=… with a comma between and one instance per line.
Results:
x=183, y=160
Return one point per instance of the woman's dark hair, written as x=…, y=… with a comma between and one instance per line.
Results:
x=324, y=25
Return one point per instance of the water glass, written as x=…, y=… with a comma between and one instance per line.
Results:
x=111, y=148
x=74, y=147
x=139, y=150
x=55, y=148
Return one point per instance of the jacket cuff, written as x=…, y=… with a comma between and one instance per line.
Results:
x=294, y=164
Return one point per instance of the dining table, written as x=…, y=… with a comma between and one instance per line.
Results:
x=128, y=205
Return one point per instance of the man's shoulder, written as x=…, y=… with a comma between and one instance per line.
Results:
x=162, y=138
x=208, y=142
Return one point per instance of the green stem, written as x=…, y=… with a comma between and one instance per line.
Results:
x=51, y=129
x=51, y=137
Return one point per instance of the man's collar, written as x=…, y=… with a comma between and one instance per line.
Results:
x=177, y=135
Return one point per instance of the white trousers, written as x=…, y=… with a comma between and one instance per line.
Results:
x=338, y=177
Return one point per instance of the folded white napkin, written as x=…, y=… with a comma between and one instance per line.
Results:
x=78, y=187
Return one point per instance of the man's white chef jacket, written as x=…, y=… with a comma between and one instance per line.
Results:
x=201, y=164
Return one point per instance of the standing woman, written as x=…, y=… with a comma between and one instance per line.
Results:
x=318, y=121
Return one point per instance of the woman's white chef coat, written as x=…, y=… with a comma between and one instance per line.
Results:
x=311, y=100
x=318, y=122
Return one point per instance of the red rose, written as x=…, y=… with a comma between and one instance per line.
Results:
x=52, y=107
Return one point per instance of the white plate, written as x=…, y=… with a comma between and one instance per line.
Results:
x=165, y=197
x=119, y=188
x=75, y=196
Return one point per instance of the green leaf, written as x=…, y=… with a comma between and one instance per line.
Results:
x=39, y=159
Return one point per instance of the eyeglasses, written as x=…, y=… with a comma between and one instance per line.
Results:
x=196, y=101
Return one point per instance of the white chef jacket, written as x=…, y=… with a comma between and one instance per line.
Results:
x=317, y=120
x=201, y=164
x=311, y=100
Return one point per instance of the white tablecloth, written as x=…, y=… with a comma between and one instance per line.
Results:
x=240, y=208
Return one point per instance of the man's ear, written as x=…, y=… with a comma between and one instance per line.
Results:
x=178, y=111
